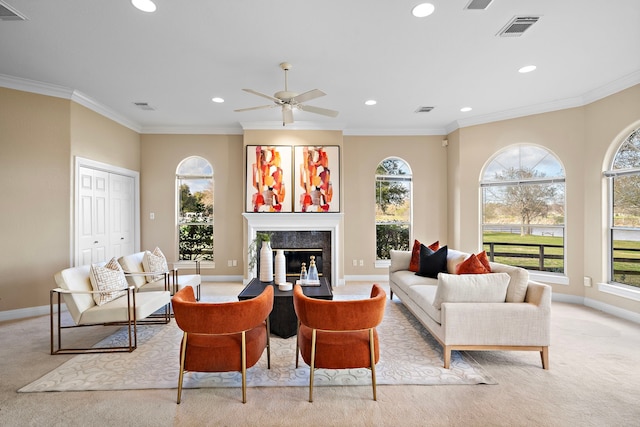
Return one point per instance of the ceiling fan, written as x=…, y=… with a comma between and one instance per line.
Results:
x=290, y=100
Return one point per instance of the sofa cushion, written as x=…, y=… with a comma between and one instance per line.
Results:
x=407, y=279
x=154, y=262
x=432, y=263
x=132, y=263
x=424, y=295
x=399, y=260
x=453, y=259
x=471, y=265
x=109, y=280
x=491, y=287
x=517, y=284
x=414, y=264
x=482, y=257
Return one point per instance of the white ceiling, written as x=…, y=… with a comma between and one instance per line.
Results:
x=108, y=55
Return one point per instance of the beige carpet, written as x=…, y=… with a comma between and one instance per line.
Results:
x=409, y=355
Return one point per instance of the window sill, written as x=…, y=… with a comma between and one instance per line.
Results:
x=553, y=278
x=618, y=289
x=382, y=263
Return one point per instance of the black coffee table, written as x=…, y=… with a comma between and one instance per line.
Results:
x=283, y=319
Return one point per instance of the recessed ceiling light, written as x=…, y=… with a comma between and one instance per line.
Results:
x=144, y=5
x=466, y=109
x=370, y=102
x=527, y=69
x=423, y=10
x=217, y=99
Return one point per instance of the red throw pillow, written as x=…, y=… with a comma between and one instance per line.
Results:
x=414, y=264
x=471, y=265
x=482, y=257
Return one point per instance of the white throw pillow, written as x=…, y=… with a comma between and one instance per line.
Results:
x=491, y=287
x=154, y=262
x=108, y=279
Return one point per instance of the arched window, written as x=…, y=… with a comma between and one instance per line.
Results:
x=393, y=206
x=194, y=187
x=625, y=212
x=523, y=203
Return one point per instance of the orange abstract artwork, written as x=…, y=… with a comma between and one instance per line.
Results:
x=268, y=182
x=315, y=180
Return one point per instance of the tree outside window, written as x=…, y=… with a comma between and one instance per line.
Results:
x=625, y=212
x=194, y=181
x=523, y=199
x=393, y=207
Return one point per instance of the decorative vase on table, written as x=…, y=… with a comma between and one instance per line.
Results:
x=266, y=262
x=280, y=267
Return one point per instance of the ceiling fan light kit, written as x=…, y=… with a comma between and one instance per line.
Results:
x=289, y=100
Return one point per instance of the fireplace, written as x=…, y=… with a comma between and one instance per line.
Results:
x=301, y=232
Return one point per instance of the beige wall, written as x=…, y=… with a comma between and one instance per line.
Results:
x=34, y=178
x=40, y=135
x=607, y=123
x=98, y=138
x=161, y=155
x=580, y=138
x=362, y=154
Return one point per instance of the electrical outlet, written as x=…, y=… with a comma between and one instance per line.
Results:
x=587, y=281
x=235, y=262
x=229, y=263
x=355, y=262
x=361, y=263
x=152, y=215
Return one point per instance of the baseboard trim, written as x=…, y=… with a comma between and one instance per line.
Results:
x=24, y=313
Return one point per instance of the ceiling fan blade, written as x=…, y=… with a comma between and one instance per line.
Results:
x=318, y=110
x=287, y=115
x=254, y=108
x=276, y=100
x=307, y=96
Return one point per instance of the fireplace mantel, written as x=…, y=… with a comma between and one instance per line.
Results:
x=299, y=222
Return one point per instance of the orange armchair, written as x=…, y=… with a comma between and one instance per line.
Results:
x=339, y=334
x=222, y=337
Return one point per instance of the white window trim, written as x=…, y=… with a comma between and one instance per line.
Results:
x=621, y=290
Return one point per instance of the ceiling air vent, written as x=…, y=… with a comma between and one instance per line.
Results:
x=478, y=4
x=423, y=109
x=144, y=106
x=8, y=13
x=518, y=25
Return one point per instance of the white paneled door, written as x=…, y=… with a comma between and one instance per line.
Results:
x=106, y=215
x=121, y=199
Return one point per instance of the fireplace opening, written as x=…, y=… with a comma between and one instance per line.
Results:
x=295, y=257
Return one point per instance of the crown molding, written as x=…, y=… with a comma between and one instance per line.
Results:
x=394, y=132
x=47, y=89
x=277, y=125
x=86, y=101
x=603, y=91
x=33, y=86
x=190, y=130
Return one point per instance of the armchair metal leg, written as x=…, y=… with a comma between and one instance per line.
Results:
x=183, y=354
x=313, y=364
x=244, y=367
x=297, y=343
x=268, y=343
x=373, y=362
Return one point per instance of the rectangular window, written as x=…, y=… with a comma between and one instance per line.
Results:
x=393, y=214
x=523, y=225
x=195, y=219
x=625, y=230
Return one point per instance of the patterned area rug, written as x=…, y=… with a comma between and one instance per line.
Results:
x=408, y=355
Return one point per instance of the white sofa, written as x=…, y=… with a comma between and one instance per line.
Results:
x=76, y=291
x=169, y=280
x=520, y=322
